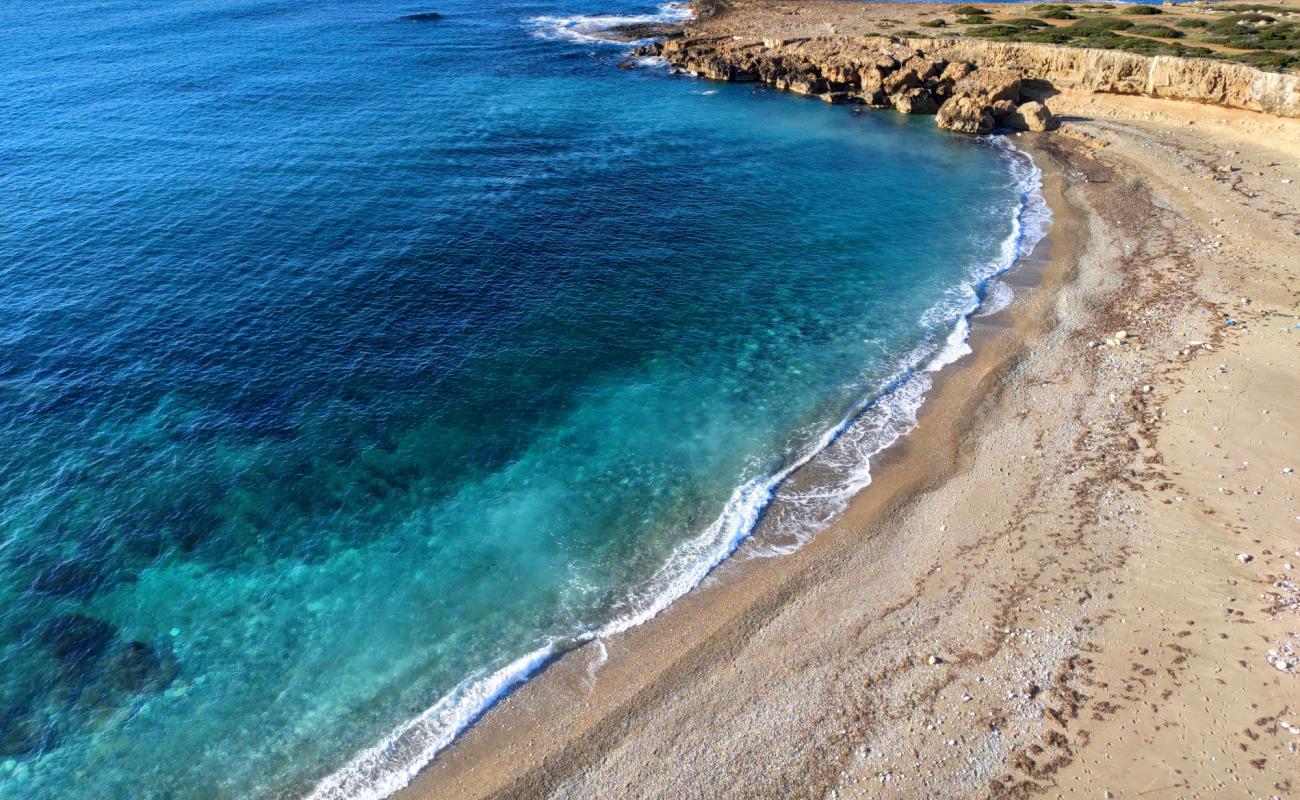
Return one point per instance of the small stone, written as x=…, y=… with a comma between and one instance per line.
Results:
x=1245, y=558
x=1146, y=388
x=1121, y=335
x=934, y=660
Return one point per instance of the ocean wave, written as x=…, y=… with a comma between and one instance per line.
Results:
x=589, y=28
x=845, y=450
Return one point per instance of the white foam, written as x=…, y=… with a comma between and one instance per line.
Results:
x=848, y=447
x=998, y=298
x=588, y=28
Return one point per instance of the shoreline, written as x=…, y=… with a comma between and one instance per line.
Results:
x=1017, y=267
x=722, y=689
x=999, y=537
x=894, y=477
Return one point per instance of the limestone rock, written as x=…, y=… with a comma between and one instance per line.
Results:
x=915, y=101
x=1031, y=116
x=990, y=85
x=955, y=71
x=965, y=114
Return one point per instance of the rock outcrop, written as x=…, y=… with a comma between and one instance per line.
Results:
x=1031, y=116
x=971, y=85
x=878, y=72
x=1115, y=72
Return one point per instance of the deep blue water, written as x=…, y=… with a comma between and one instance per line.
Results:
x=353, y=365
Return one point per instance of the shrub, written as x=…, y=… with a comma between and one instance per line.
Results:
x=1271, y=60
x=1275, y=36
x=935, y=23
x=969, y=11
x=1192, y=23
x=1159, y=31
x=1141, y=11
x=1058, y=15
x=1092, y=25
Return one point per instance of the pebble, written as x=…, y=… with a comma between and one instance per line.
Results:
x=1245, y=558
x=1146, y=389
x=1121, y=335
x=933, y=660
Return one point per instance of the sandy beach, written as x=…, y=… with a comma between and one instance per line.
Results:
x=1075, y=578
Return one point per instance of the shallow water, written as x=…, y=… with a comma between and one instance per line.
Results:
x=350, y=359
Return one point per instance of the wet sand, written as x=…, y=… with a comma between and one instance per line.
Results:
x=1067, y=581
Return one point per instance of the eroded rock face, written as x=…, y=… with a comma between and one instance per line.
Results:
x=881, y=71
x=1031, y=116
x=965, y=95
x=877, y=72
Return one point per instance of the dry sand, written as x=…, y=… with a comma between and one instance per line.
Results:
x=1068, y=581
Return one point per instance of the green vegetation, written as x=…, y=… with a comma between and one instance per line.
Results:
x=1270, y=60
x=935, y=23
x=1254, y=32
x=1092, y=25
x=1243, y=7
x=1159, y=31
x=1271, y=39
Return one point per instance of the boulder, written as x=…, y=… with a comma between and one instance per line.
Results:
x=871, y=79
x=841, y=74
x=990, y=85
x=1002, y=109
x=955, y=71
x=1031, y=116
x=915, y=101
x=925, y=69
x=965, y=114
x=876, y=99
x=900, y=81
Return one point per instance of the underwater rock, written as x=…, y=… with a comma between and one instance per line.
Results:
x=76, y=639
x=22, y=733
x=139, y=667
x=423, y=16
x=75, y=579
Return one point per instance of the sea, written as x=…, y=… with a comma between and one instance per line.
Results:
x=354, y=366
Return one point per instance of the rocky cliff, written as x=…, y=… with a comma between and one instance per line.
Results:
x=971, y=85
x=1195, y=79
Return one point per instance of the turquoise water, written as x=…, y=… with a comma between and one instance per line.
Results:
x=354, y=366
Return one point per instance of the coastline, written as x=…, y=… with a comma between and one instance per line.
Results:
x=604, y=675
x=811, y=673
x=883, y=420
x=628, y=714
